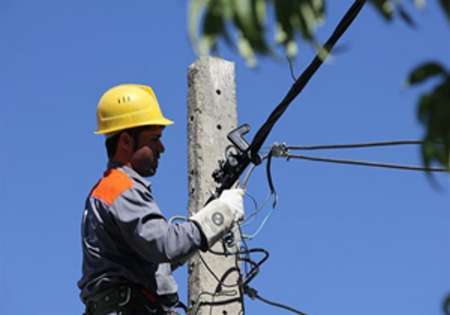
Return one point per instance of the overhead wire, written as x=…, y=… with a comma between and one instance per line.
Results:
x=257, y=210
x=260, y=227
x=368, y=164
x=282, y=150
x=252, y=154
x=253, y=294
x=305, y=77
x=243, y=255
x=354, y=145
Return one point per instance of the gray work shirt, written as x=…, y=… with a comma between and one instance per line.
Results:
x=126, y=239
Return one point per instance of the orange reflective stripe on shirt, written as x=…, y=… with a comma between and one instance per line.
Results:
x=111, y=186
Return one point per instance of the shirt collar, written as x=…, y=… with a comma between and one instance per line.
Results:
x=131, y=172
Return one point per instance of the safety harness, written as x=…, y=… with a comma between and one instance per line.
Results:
x=131, y=299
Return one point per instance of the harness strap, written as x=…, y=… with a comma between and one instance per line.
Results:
x=122, y=298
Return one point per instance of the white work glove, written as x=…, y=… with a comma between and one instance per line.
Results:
x=218, y=216
x=234, y=199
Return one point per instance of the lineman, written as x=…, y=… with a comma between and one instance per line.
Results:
x=129, y=248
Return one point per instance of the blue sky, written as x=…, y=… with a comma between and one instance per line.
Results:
x=343, y=240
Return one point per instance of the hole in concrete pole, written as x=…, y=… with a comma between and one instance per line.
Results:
x=219, y=127
x=191, y=118
x=218, y=92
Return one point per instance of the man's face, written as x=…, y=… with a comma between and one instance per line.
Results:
x=149, y=148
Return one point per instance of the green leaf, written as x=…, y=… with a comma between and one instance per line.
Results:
x=445, y=4
x=248, y=17
x=385, y=7
x=194, y=13
x=283, y=11
x=307, y=21
x=446, y=305
x=434, y=113
x=405, y=16
x=291, y=49
x=424, y=109
x=425, y=72
x=297, y=17
x=420, y=4
x=246, y=51
x=214, y=26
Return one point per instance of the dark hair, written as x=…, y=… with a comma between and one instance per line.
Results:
x=111, y=142
x=111, y=145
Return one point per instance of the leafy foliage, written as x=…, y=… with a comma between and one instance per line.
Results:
x=445, y=4
x=243, y=25
x=446, y=305
x=247, y=21
x=434, y=112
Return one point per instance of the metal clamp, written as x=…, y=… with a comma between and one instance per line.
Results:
x=280, y=150
x=127, y=297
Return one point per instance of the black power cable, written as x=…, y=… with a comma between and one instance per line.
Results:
x=304, y=78
x=251, y=154
x=244, y=255
x=230, y=171
x=253, y=294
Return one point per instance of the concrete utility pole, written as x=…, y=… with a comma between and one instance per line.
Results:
x=211, y=115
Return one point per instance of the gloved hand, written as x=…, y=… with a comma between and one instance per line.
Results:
x=218, y=216
x=234, y=199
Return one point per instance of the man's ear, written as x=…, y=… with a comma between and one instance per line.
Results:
x=126, y=142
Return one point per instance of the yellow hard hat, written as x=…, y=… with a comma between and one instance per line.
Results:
x=127, y=106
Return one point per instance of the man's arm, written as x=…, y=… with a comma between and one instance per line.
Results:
x=158, y=241
x=148, y=233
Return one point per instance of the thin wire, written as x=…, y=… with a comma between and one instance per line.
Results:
x=263, y=132
x=255, y=265
x=246, y=250
x=291, y=68
x=221, y=284
x=253, y=199
x=247, y=175
x=356, y=145
x=364, y=163
x=259, y=229
x=214, y=275
x=239, y=280
x=253, y=214
x=252, y=293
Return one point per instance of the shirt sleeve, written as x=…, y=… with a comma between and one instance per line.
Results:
x=149, y=234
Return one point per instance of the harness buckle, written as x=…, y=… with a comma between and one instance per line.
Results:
x=126, y=295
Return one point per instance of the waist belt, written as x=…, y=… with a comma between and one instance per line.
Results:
x=129, y=297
